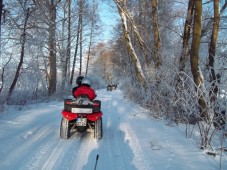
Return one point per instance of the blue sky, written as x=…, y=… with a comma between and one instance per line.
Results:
x=109, y=18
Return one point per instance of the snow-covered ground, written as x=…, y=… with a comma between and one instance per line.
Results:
x=29, y=140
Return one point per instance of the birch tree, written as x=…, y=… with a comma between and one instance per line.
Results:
x=136, y=62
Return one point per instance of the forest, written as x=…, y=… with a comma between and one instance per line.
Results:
x=169, y=56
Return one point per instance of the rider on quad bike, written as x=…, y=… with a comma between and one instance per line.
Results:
x=82, y=113
x=85, y=89
x=78, y=82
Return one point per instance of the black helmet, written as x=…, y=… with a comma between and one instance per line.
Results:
x=79, y=80
x=86, y=81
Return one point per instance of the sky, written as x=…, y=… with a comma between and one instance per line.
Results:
x=109, y=18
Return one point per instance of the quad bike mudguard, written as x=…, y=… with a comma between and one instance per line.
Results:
x=72, y=116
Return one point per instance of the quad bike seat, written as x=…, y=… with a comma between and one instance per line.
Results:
x=82, y=102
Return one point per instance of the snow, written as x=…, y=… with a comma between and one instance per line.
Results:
x=29, y=140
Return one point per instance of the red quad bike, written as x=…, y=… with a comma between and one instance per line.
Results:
x=80, y=115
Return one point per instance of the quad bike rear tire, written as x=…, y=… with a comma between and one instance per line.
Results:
x=64, y=129
x=98, y=132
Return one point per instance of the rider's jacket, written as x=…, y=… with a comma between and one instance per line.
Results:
x=85, y=90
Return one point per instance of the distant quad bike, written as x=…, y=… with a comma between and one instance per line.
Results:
x=109, y=88
x=80, y=115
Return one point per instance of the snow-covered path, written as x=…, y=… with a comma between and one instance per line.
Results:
x=29, y=140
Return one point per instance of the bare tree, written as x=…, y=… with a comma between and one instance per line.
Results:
x=186, y=35
x=81, y=36
x=2, y=74
x=68, y=49
x=79, y=25
x=157, y=43
x=194, y=59
x=62, y=44
x=212, y=52
x=66, y=42
x=1, y=10
x=52, y=48
x=137, y=66
x=23, y=41
x=92, y=29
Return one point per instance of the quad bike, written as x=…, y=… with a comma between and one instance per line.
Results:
x=80, y=115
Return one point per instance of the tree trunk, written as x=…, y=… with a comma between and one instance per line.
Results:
x=141, y=2
x=208, y=26
x=157, y=43
x=212, y=51
x=186, y=36
x=91, y=36
x=1, y=9
x=63, y=50
x=23, y=41
x=75, y=53
x=68, y=49
x=52, y=49
x=194, y=59
x=2, y=74
x=81, y=36
x=139, y=72
x=142, y=44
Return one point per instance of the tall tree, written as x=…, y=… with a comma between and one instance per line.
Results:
x=68, y=49
x=23, y=41
x=212, y=51
x=93, y=18
x=75, y=52
x=1, y=10
x=81, y=35
x=52, y=48
x=186, y=35
x=136, y=62
x=157, y=43
x=62, y=46
x=66, y=42
x=194, y=59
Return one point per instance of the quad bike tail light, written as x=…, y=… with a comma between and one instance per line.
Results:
x=68, y=102
x=96, y=104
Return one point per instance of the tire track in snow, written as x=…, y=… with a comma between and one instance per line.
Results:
x=115, y=148
x=41, y=155
x=87, y=144
x=62, y=154
x=139, y=156
x=44, y=148
x=130, y=149
x=58, y=150
x=34, y=137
